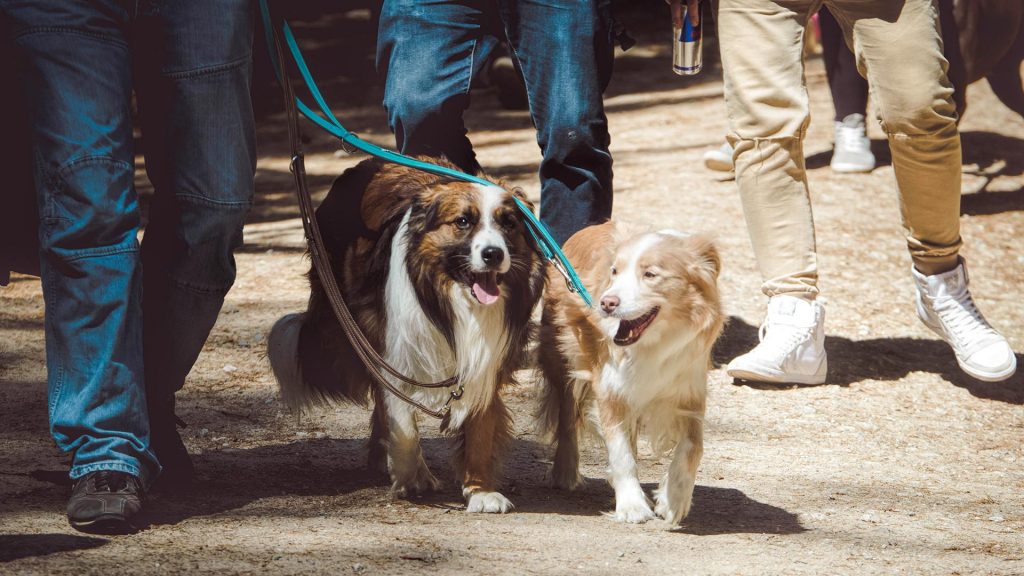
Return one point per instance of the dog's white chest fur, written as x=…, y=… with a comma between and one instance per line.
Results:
x=417, y=348
x=656, y=381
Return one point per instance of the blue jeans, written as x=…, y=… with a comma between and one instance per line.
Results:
x=189, y=62
x=429, y=51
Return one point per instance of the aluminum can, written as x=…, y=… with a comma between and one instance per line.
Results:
x=687, y=46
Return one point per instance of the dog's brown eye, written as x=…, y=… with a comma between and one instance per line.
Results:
x=507, y=222
x=462, y=223
x=614, y=271
x=650, y=275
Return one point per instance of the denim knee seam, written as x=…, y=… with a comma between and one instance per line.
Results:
x=204, y=290
x=210, y=202
x=128, y=246
x=40, y=30
x=210, y=70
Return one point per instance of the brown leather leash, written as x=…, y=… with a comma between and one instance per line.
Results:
x=375, y=364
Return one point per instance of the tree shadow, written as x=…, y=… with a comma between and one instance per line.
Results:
x=876, y=359
x=17, y=546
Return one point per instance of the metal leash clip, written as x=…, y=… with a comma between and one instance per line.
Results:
x=455, y=395
x=350, y=149
x=565, y=274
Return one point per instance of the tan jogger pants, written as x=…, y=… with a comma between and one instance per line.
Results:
x=899, y=50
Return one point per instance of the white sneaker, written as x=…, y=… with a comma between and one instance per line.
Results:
x=852, y=150
x=792, y=347
x=719, y=160
x=945, y=305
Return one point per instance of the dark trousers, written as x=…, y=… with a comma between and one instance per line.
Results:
x=429, y=51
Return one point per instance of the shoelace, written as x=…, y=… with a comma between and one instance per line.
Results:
x=852, y=137
x=785, y=337
x=962, y=319
x=110, y=481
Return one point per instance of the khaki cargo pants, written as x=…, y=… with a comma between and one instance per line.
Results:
x=898, y=48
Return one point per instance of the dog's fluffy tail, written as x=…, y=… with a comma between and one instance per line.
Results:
x=283, y=353
x=557, y=410
x=314, y=364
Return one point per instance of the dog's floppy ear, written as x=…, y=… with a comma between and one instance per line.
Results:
x=339, y=215
x=521, y=196
x=708, y=262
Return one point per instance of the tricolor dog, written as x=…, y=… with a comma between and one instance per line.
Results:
x=442, y=276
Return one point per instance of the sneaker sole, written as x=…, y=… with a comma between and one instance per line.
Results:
x=718, y=165
x=851, y=168
x=109, y=524
x=809, y=379
x=819, y=377
x=969, y=370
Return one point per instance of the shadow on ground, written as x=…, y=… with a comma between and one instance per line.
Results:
x=995, y=155
x=16, y=546
x=852, y=361
x=313, y=477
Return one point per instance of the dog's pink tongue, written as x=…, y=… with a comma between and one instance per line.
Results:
x=486, y=289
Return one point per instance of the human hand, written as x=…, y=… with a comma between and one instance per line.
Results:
x=676, y=7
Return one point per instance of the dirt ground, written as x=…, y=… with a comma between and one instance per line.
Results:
x=898, y=465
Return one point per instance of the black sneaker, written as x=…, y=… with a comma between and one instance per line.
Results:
x=106, y=502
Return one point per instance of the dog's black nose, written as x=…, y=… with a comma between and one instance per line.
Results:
x=609, y=303
x=492, y=255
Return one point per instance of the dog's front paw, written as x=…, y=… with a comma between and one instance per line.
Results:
x=487, y=502
x=421, y=482
x=673, y=505
x=633, y=509
x=565, y=477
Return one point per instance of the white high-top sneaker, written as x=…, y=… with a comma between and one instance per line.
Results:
x=852, y=150
x=945, y=305
x=719, y=160
x=792, y=347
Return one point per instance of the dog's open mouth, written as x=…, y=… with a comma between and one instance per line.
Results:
x=486, y=287
x=631, y=330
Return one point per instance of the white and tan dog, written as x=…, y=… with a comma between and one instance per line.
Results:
x=638, y=359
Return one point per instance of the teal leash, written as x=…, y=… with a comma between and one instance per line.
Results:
x=547, y=245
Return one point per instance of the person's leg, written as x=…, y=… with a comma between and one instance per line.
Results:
x=78, y=85
x=899, y=47
x=852, y=150
x=849, y=88
x=766, y=98
x=427, y=53
x=767, y=103
x=565, y=51
x=193, y=68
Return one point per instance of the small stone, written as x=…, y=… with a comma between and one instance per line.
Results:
x=230, y=368
x=621, y=554
x=203, y=432
x=996, y=518
x=358, y=568
x=870, y=516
